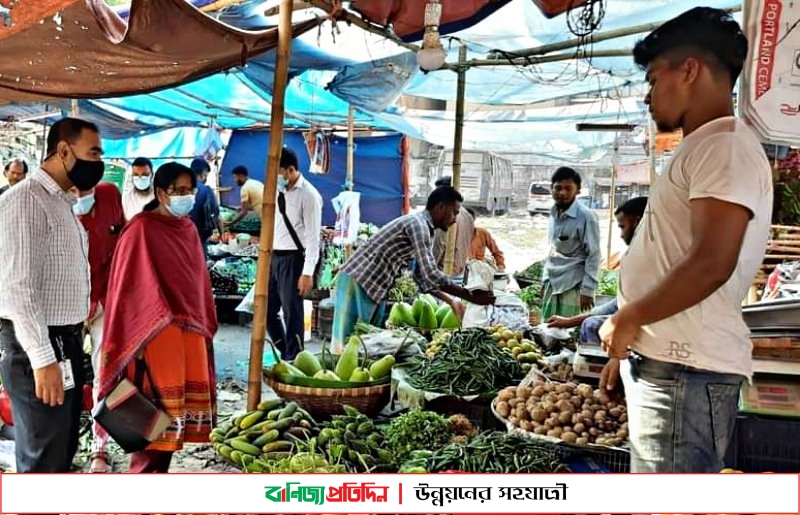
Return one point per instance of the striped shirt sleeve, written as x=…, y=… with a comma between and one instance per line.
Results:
x=23, y=244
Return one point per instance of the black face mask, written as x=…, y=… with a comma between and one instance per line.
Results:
x=86, y=174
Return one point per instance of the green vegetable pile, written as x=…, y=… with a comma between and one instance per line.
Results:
x=405, y=288
x=533, y=272
x=532, y=296
x=488, y=452
x=417, y=430
x=355, y=441
x=233, y=276
x=607, y=284
x=469, y=363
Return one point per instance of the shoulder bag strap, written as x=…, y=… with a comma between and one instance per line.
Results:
x=292, y=232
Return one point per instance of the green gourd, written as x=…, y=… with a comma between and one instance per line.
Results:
x=348, y=361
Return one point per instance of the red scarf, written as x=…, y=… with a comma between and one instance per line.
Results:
x=158, y=277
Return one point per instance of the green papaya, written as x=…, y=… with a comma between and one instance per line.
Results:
x=450, y=321
x=401, y=315
x=308, y=363
x=442, y=312
x=428, y=319
x=382, y=368
x=430, y=299
x=360, y=375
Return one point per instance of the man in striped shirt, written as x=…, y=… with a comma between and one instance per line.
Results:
x=44, y=299
x=366, y=278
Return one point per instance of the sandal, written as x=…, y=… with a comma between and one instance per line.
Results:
x=100, y=463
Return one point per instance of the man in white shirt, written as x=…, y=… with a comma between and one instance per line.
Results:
x=679, y=329
x=141, y=194
x=45, y=298
x=296, y=251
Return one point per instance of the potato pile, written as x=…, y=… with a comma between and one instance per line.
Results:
x=574, y=413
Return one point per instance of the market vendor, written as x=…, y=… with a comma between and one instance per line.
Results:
x=251, y=194
x=570, y=271
x=366, y=278
x=683, y=345
x=100, y=212
x=628, y=216
x=482, y=242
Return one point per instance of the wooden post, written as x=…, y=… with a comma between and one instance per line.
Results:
x=280, y=79
x=351, y=147
x=449, y=256
x=74, y=109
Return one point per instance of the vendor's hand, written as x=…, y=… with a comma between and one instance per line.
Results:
x=305, y=284
x=618, y=333
x=561, y=322
x=482, y=297
x=609, y=377
x=49, y=385
x=458, y=309
x=587, y=302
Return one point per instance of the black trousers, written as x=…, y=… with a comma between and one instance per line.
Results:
x=46, y=437
x=286, y=334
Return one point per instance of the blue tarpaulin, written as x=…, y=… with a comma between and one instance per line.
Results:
x=378, y=171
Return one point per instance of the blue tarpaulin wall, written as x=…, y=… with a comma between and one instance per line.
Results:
x=378, y=171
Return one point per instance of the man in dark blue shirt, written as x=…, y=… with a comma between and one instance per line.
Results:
x=205, y=213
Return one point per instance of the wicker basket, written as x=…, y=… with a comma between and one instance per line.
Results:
x=325, y=402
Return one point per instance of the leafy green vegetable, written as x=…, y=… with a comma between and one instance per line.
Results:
x=607, y=284
x=417, y=430
x=533, y=272
x=405, y=288
x=532, y=296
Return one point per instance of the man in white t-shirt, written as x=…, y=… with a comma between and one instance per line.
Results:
x=679, y=331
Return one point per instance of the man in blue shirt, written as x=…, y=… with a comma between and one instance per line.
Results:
x=570, y=271
x=205, y=213
x=628, y=216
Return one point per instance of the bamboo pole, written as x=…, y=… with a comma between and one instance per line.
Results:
x=280, y=80
x=449, y=256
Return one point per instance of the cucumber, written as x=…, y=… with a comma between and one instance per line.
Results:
x=225, y=451
x=283, y=424
x=259, y=428
x=270, y=436
x=266, y=438
x=245, y=447
x=232, y=432
x=236, y=457
x=278, y=446
x=251, y=419
x=270, y=404
x=274, y=414
x=276, y=456
x=288, y=410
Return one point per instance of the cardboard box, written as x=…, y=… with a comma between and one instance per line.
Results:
x=779, y=396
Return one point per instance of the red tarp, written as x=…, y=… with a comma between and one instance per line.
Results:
x=83, y=49
x=407, y=17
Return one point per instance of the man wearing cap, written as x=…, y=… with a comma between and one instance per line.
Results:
x=205, y=213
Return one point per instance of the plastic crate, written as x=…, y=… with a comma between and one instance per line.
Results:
x=765, y=444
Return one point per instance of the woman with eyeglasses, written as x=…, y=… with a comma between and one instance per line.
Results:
x=160, y=308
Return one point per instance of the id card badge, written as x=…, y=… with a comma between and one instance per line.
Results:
x=66, y=374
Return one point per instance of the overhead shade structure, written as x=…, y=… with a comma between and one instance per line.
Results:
x=83, y=49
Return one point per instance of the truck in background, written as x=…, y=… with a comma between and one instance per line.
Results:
x=487, y=180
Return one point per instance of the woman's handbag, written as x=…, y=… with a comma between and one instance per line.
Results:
x=128, y=416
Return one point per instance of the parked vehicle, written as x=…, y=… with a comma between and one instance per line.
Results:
x=540, y=198
x=487, y=180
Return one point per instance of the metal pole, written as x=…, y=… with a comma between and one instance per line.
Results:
x=612, y=201
x=449, y=257
x=280, y=79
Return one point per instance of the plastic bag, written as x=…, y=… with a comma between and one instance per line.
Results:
x=551, y=337
x=248, y=304
x=480, y=276
x=348, y=217
x=386, y=342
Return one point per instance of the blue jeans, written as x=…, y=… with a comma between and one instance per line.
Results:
x=680, y=419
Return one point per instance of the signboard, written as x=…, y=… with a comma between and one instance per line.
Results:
x=115, y=174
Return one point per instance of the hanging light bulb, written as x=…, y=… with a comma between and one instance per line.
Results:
x=432, y=55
